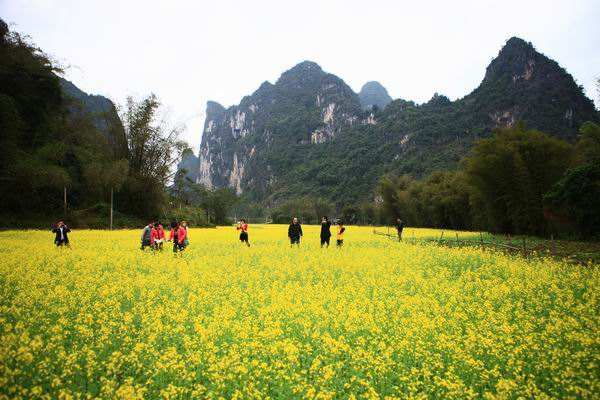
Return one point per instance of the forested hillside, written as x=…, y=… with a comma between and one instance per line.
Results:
x=66, y=153
x=306, y=135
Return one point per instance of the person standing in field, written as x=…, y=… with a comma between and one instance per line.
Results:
x=325, y=231
x=153, y=237
x=160, y=237
x=295, y=232
x=146, y=236
x=61, y=231
x=399, y=228
x=340, y=234
x=177, y=236
x=243, y=228
x=184, y=225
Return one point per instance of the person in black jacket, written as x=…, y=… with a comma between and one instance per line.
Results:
x=295, y=232
x=325, y=231
x=399, y=228
x=61, y=230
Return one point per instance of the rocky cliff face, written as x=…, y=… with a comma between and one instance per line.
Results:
x=306, y=106
x=307, y=134
x=374, y=94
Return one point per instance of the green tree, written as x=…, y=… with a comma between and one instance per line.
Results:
x=153, y=149
x=575, y=200
x=299, y=207
x=219, y=204
x=321, y=207
x=396, y=199
x=442, y=200
x=216, y=203
x=31, y=116
x=587, y=148
x=510, y=173
x=350, y=214
x=368, y=213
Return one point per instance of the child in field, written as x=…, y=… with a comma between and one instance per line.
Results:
x=243, y=228
x=295, y=232
x=61, y=230
x=340, y=234
x=177, y=236
x=146, y=238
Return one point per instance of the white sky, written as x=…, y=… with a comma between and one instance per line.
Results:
x=188, y=52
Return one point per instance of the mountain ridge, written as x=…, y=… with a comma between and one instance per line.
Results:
x=98, y=107
x=283, y=140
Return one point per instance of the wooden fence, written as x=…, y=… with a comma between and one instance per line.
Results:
x=521, y=246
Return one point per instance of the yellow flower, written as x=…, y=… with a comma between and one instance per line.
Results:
x=375, y=319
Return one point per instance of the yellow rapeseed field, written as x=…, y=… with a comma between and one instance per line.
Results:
x=374, y=320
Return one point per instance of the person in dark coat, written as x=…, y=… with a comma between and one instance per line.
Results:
x=295, y=232
x=61, y=230
x=399, y=228
x=146, y=238
x=325, y=231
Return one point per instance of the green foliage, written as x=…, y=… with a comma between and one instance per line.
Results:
x=502, y=185
x=397, y=203
x=52, y=139
x=575, y=199
x=215, y=204
x=195, y=216
x=153, y=147
x=309, y=210
x=588, y=145
x=441, y=200
x=218, y=203
x=510, y=173
x=573, y=203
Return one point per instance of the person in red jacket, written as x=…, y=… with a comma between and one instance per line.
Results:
x=177, y=236
x=243, y=228
x=160, y=236
x=153, y=237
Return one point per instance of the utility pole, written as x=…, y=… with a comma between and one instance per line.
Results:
x=111, y=208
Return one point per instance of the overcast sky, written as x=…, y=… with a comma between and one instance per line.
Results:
x=188, y=52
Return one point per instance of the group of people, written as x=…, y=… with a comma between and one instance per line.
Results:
x=153, y=236
x=295, y=232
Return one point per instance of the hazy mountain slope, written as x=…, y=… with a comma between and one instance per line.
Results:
x=100, y=108
x=373, y=94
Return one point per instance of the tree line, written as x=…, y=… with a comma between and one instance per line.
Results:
x=518, y=181
x=60, y=159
